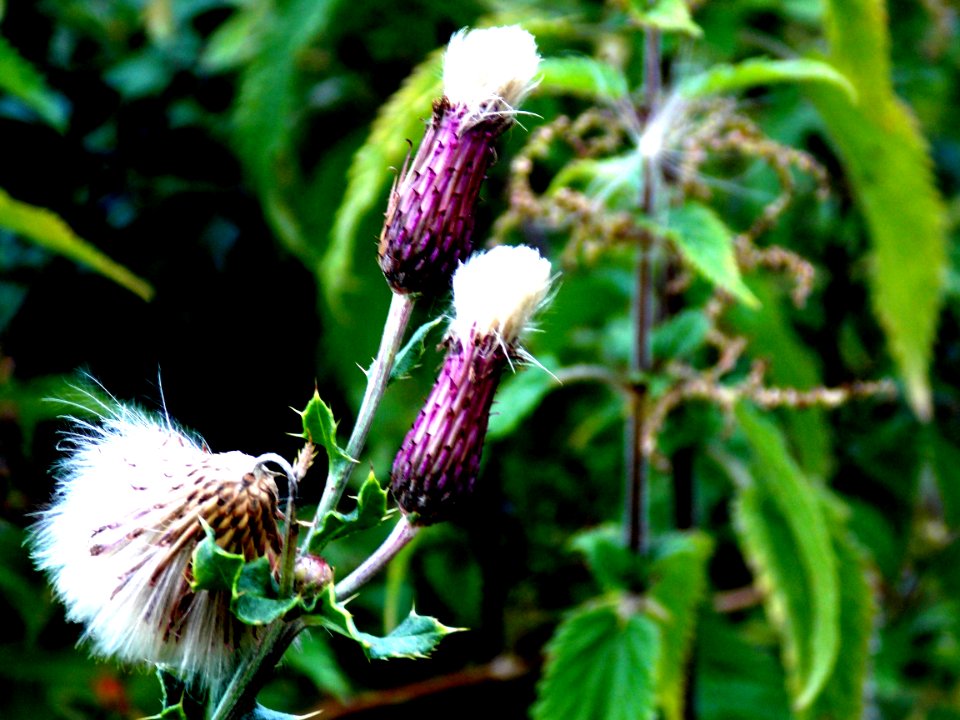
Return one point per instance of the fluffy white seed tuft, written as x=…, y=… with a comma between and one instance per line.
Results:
x=497, y=292
x=490, y=71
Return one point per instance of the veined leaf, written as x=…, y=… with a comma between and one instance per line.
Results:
x=707, y=244
x=48, y=230
x=786, y=537
x=724, y=78
x=601, y=665
x=889, y=167
x=319, y=427
x=415, y=637
x=22, y=80
x=581, y=76
x=214, y=568
x=370, y=511
x=678, y=576
x=399, y=123
x=666, y=15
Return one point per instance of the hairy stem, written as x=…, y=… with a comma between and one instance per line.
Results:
x=402, y=533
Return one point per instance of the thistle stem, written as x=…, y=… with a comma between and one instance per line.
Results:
x=402, y=533
x=637, y=466
x=378, y=377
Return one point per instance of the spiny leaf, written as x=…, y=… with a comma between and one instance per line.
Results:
x=255, y=600
x=48, y=230
x=583, y=77
x=399, y=123
x=678, y=584
x=214, y=568
x=21, y=79
x=887, y=161
x=416, y=346
x=370, y=511
x=707, y=244
x=319, y=427
x=666, y=15
x=783, y=527
x=763, y=71
x=415, y=637
x=601, y=665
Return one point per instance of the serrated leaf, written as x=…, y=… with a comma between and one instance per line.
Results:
x=415, y=637
x=255, y=600
x=48, y=230
x=371, y=510
x=678, y=585
x=518, y=397
x=583, y=77
x=320, y=428
x=399, y=123
x=707, y=244
x=887, y=161
x=22, y=80
x=601, y=665
x=612, y=564
x=416, y=346
x=783, y=527
x=724, y=78
x=665, y=15
x=214, y=568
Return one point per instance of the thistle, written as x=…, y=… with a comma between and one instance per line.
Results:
x=495, y=294
x=119, y=536
x=430, y=217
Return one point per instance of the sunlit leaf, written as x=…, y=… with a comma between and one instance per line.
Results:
x=319, y=427
x=416, y=637
x=370, y=511
x=581, y=76
x=601, y=665
x=48, y=230
x=763, y=71
x=213, y=567
x=22, y=80
x=666, y=15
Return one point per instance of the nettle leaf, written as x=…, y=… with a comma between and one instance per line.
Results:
x=519, y=396
x=583, y=77
x=319, y=427
x=678, y=585
x=48, y=230
x=612, y=564
x=399, y=123
x=23, y=81
x=601, y=665
x=888, y=163
x=415, y=637
x=371, y=510
x=666, y=15
x=416, y=346
x=680, y=336
x=763, y=71
x=707, y=244
x=783, y=527
x=214, y=568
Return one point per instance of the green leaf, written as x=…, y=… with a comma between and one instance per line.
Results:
x=612, y=564
x=233, y=43
x=680, y=336
x=707, y=244
x=665, y=15
x=415, y=637
x=786, y=537
x=399, y=122
x=416, y=346
x=371, y=510
x=48, y=230
x=320, y=428
x=615, y=181
x=763, y=71
x=259, y=712
x=583, y=77
x=601, y=665
x=254, y=595
x=214, y=568
x=518, y=397
x=171, y=688
x=23, y=81
x=312, y=656
x=678, y=575
x=887, y=161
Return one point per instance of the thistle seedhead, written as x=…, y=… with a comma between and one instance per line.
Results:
x=430, y=217
x=119, y=536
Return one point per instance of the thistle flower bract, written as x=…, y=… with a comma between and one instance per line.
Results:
x=118, y=539
x=429, y=221
x=494, y=295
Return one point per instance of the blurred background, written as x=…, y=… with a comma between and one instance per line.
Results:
x=209, y=148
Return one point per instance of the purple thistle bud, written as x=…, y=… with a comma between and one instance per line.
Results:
x=495, y=295
x=430, y=216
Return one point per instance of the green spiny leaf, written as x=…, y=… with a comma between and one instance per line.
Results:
x=678, y=585
x=665, y=15
x=370, y=511
x=255, y=600
x=319, y=427
x=415, y=637
x=214, y=568
x=707, y=244
x=887, y=161
x=763, y=71
x=583, y=77
x=49, y=231
x=416, y=346
x=22, y=80
x=601, y=665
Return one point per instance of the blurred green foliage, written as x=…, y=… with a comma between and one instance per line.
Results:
x=230, y=159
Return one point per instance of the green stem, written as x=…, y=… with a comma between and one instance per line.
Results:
x=402, y=533
x=378, y=377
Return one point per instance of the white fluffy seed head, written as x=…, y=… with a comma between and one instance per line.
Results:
x=490, y=70
x=497, y=292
